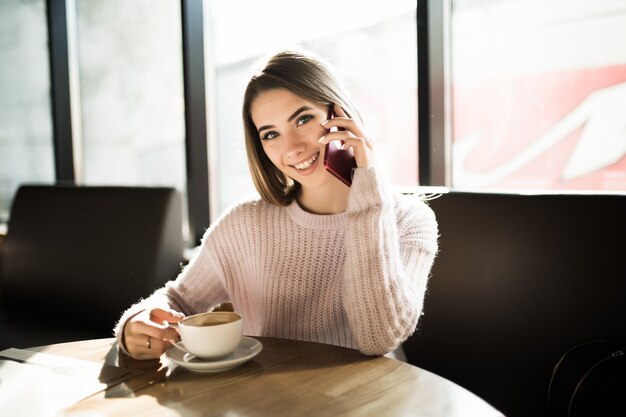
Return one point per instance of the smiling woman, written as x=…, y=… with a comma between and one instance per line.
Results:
x=294, y=148
x=298, y=262
x=289, y=100
x=374, y=48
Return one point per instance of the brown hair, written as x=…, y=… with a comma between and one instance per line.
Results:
x=305, y=75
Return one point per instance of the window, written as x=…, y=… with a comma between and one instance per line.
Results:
x=539, y=92
x=538, y=89
x=26, y=153
x=131, y=92
x=374, y=51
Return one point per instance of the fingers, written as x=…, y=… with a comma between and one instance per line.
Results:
x=343, y=122
x=145, y=347
x=155, y=330
x=160, y=315
x=347, y=138
x=360, y=146
x=147, y=334
x=352, y=137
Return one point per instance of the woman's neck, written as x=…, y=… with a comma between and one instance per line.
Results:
x=330, y=199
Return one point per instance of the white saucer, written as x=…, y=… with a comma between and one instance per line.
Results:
x=247, y=349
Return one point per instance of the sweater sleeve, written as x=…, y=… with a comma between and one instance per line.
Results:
x=198, y=288
x=201, y=284
x=387, y=269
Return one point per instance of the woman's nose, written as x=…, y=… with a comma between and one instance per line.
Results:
x=294, y=146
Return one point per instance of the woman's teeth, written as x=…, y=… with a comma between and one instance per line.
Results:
x=308, y=162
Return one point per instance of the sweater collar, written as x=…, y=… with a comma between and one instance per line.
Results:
x=315, y=221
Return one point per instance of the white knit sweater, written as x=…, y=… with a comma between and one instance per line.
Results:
x=354, y=279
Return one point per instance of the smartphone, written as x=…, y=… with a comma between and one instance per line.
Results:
x=337, y=161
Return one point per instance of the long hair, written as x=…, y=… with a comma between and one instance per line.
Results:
x=306, y=76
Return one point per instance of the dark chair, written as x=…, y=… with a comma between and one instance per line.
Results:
x=75, y=257
x=520, y=279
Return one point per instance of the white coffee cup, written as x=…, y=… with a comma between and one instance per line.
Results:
x=210, y=335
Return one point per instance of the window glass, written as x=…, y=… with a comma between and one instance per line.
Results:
x=373, y=47
x=131, y=92
x=26, y=153
x=539, y=92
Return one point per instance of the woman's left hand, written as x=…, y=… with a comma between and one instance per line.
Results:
x=353, y=137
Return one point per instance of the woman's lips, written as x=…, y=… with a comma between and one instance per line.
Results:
x=304, y=165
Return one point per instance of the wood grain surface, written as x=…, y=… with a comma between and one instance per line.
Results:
x=288, y=378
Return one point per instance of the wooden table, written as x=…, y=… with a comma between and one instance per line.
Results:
x=288, y=378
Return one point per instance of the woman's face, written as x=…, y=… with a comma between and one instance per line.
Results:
x=289, y=128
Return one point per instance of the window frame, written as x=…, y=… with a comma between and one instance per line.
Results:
x=434, y=93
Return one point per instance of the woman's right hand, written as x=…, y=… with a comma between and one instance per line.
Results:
x=147, y=334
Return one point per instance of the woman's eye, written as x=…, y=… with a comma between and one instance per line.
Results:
x=304, y=119
x=269, y=135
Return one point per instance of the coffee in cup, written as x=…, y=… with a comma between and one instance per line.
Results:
x=210, y=335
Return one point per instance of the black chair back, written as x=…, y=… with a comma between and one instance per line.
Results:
x=520, y=279
x=78, y=256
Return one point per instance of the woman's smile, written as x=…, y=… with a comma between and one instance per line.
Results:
x=308, y=163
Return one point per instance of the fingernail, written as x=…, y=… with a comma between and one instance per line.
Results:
x=324, y=122
x=322, y=139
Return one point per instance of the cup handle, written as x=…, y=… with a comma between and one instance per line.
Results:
x=180, y=346
x=177, y=343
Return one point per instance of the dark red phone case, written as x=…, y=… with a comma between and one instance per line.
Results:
x=337, y=161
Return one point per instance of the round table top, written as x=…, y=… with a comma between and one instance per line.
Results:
x=288, y=377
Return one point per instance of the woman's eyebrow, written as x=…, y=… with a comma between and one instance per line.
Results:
x=297, y=112
x=289, y=119
x=262, y=128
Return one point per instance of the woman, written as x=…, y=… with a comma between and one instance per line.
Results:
x=313, y=259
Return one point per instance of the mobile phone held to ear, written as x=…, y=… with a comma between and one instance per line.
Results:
x=337, y=161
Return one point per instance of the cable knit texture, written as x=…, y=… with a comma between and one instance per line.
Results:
x=355, y=279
